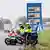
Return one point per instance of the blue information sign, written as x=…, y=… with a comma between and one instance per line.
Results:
x=34, y=12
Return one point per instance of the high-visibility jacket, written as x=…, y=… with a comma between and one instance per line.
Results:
x=21, y=31
x=28, y=30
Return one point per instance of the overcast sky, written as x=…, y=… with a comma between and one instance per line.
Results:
x=15, y=8
x=12, y=8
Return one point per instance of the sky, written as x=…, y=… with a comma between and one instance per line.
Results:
x=14, y=9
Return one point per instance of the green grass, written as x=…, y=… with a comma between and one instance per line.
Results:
x=44, y=36
x=44, y=39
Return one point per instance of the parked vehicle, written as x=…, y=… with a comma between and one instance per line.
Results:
x=14, y=38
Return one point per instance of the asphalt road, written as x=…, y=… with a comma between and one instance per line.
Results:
x=3, y=46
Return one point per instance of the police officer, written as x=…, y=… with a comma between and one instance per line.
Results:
x=22, y=30
x=28, y=31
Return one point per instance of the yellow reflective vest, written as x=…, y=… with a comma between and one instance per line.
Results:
x=28, y=30
x=21, y=30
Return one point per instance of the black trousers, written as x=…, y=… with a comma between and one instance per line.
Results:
x=29, y=34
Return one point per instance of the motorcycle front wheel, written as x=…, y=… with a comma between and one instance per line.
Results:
x=7, y=41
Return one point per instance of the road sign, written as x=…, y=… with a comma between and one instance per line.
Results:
x=34, y=12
